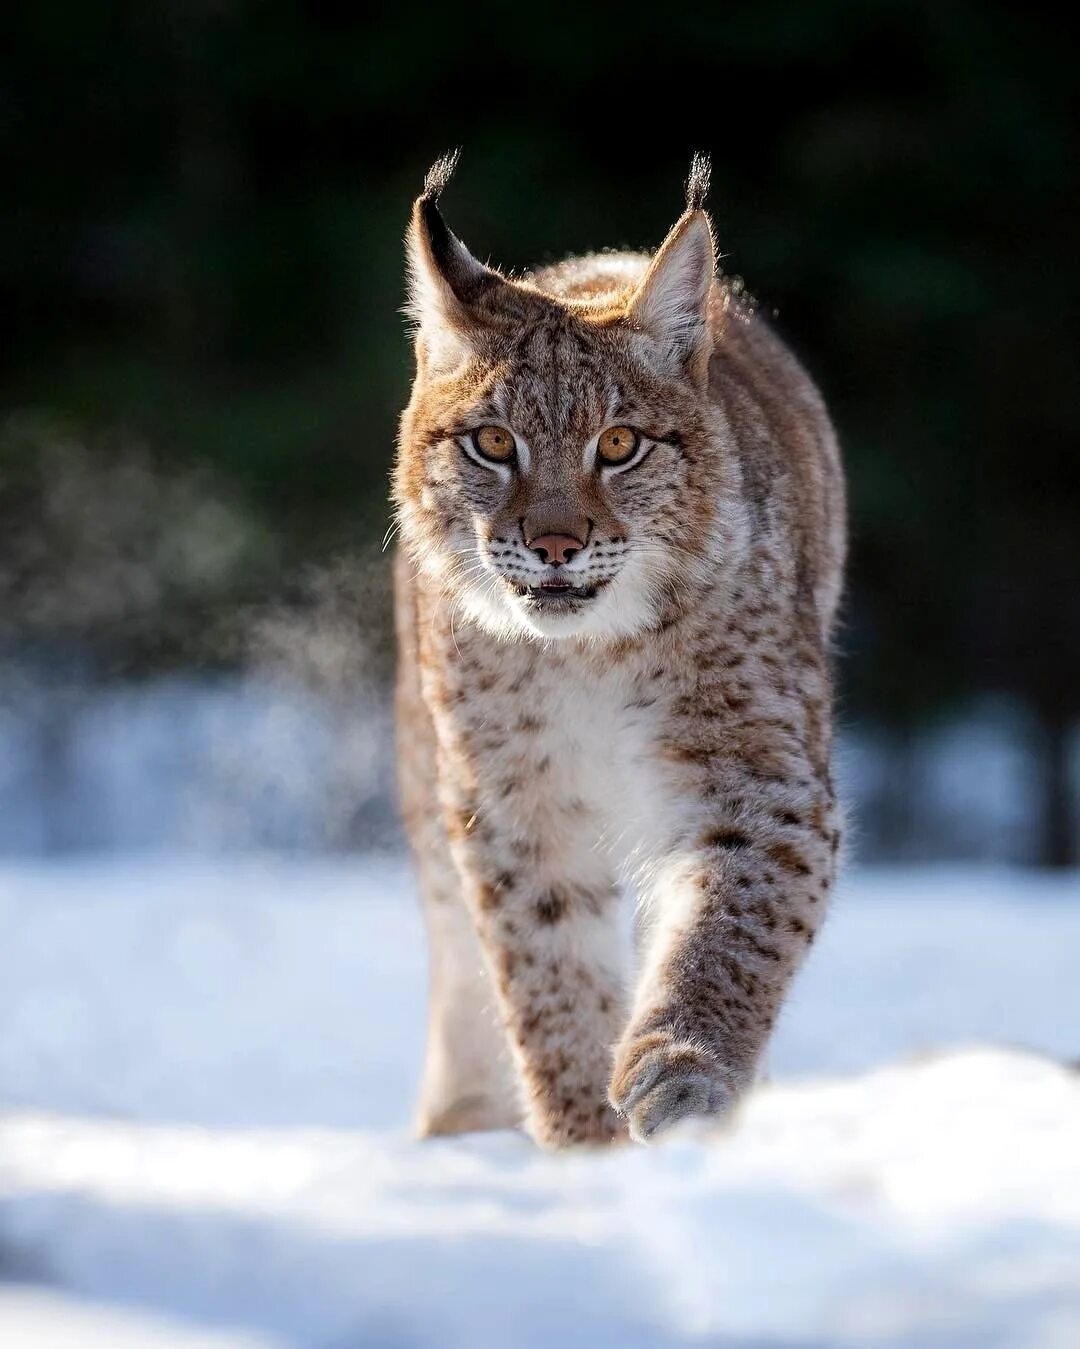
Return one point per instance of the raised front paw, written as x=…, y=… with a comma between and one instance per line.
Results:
x=659, y=1080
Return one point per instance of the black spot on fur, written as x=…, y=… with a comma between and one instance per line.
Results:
x=550, y=908
x=727, y=837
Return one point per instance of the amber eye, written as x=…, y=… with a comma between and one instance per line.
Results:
x=617, y=444
x=494, y=442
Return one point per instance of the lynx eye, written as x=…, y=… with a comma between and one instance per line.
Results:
x=617, y=444
x=495, y=443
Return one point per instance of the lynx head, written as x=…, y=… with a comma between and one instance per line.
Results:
x=558, y=473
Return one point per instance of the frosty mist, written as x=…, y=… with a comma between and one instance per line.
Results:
x=159, y=684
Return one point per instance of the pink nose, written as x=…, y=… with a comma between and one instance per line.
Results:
x=556, y=548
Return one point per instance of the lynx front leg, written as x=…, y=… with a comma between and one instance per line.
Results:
x=548, y=920
x=516, y=792
x=736, y=911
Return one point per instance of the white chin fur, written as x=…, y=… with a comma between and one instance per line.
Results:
x=621, y=609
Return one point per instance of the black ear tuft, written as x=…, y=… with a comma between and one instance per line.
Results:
x=697, y=184
x=440, y=174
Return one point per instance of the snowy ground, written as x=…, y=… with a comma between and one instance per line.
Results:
x=206, y=1072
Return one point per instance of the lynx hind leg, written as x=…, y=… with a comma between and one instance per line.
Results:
x=469, y=1083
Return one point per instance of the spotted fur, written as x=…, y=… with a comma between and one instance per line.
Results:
x=665, y=728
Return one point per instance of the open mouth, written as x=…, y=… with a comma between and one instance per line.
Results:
x=556, y=594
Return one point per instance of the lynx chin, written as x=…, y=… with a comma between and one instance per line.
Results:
x=621, y=509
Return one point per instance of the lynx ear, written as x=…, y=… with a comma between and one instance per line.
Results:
x=672, y=301
x=446, y=282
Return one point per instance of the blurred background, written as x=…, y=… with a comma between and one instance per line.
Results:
x=201, y=274
x=211, y=967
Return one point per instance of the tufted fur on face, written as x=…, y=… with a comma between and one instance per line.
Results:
x=553, y=361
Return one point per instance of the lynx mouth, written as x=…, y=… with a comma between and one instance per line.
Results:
x=555, y=595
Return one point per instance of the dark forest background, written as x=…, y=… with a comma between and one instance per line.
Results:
x=201, y=275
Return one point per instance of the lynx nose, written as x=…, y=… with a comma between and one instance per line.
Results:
x=555, y=548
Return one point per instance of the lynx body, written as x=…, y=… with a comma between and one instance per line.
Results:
x=622, y=521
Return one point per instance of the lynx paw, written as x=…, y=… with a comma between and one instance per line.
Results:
x=660, y=1080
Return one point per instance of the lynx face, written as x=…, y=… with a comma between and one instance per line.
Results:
x=559, y=472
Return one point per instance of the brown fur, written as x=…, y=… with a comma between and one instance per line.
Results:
x=671, y=732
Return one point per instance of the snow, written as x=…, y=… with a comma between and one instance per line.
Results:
x=206, y=1070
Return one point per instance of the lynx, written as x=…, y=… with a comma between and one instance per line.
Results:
x=621, y=509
